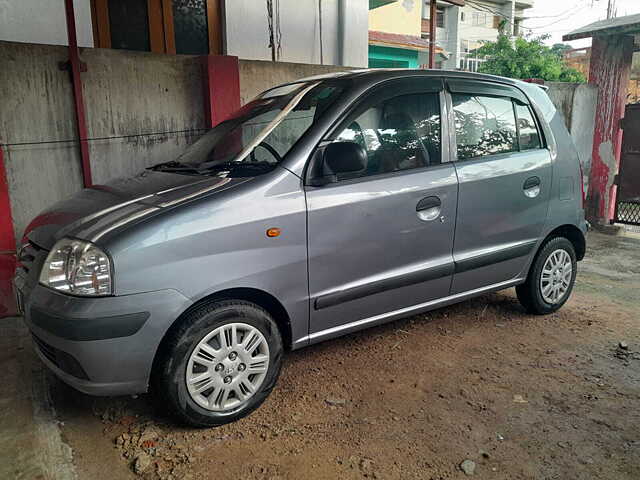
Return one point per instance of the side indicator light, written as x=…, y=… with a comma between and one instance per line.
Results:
x=273, y=232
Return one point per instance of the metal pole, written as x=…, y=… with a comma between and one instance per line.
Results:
x=342, y=32
x=512, y=19
x=432, y=34
x=81, y=121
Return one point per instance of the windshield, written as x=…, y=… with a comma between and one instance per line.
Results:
x=259, y=135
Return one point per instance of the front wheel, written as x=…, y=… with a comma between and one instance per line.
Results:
x=551, y=278
x=220, y=364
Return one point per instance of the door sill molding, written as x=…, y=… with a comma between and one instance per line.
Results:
x=402, y=312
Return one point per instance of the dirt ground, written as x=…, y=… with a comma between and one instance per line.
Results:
x=522, y=397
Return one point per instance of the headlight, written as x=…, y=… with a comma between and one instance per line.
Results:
x=78, y=268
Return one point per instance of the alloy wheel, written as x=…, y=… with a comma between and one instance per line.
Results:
x=555, y=278
x=227, y=367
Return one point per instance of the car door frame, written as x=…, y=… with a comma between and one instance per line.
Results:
x=528, y=249
x=445, y=145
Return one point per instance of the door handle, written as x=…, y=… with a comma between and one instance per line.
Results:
x=429, y=208
x=531, y=187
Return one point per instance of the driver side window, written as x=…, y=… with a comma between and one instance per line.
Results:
x=399, y=133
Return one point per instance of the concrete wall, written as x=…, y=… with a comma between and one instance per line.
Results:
x=577, y=104
x=256, y=76
x=129, y=93
x=126, y=94
x=43, y=21
x=247, y=31
x=37, y=105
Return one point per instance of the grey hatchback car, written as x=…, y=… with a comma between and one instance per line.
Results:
x=322, y=207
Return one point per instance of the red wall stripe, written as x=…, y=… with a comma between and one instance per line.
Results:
x=7, y=246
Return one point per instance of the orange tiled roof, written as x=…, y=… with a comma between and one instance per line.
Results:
x=397, y=40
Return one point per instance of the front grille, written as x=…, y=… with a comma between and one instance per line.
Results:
x=63, y=360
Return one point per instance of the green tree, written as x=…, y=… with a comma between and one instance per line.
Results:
x=526, y=58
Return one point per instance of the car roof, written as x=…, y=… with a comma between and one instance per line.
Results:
x=367, y=78
x=375, y=75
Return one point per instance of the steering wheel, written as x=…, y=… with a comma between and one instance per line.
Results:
x=274, y=153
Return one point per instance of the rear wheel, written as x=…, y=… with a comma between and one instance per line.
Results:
x=220, y=364
x=551, y=277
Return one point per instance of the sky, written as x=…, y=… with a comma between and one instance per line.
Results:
x=558, y=17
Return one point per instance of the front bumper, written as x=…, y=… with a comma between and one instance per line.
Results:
x=101, y=346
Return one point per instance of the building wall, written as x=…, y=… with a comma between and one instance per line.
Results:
x=344, y=31
x=126, y=93
x=577, y=104
x=402, y=17
x=43, y=21
x=344, y=28
x=386, y=57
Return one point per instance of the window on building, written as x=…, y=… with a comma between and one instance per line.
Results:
x=528, y=135
x=161, y=26
x=129, y=21
x=516, y=27
x=425, y=28
x=484, y=125
x=440, y=17
x=190, y=26
x=400, y=133
x=462, y=17
x=479, y=19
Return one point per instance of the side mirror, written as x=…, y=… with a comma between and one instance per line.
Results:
x=340, y=158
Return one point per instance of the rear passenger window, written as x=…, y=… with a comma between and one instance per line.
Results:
x=528, y=131
x=484, y=125
x=399, y=133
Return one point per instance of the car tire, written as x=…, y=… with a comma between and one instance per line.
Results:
x=557, y=259
x=212, y=351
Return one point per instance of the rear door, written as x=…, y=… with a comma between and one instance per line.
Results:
x=504, y=175
x=381, y=243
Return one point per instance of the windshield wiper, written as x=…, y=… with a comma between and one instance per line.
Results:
x=174, y=166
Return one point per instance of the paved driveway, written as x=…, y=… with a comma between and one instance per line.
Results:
x=516, y=395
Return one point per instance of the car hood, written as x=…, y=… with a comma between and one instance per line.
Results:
x=93, y=212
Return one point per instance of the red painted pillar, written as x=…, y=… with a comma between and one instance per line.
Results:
x=611, y=58
x=221, y=87
x=78, y=96
x=7, y=247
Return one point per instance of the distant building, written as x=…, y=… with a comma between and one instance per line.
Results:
x=396, y=35
x=461, y=30
x=579, y=59
x=399, y=31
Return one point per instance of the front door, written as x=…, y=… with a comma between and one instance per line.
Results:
x=381, y=243
x=505, y=182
